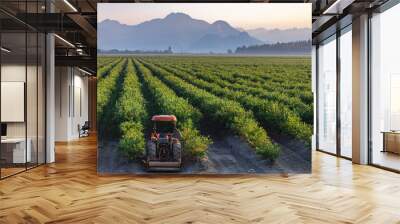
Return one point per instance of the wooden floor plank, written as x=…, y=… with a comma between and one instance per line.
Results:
x=70, y=191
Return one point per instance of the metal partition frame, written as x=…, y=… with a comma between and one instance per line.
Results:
x=339, y=32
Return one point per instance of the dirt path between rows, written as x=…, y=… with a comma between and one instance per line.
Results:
x=227, y=155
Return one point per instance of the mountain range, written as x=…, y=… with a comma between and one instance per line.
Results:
x=271, y=36
x=180, y=32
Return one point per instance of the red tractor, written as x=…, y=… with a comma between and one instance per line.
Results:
x=164, y=149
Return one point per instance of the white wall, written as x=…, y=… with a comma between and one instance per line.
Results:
x=13, y=72
x=62, y=82
x=80, y=112
x=71, y=102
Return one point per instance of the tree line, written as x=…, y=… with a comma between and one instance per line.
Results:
x=297, y=48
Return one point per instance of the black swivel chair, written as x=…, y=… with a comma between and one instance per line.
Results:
x=84, y=130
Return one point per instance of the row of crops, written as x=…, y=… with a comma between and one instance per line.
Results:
x=246, y=96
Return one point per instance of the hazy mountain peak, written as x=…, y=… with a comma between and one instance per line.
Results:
x=281, y=35
x=220, y=23
x=178, y=15
x=111, y=22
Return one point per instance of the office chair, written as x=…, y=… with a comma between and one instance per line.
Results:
x=84, y=130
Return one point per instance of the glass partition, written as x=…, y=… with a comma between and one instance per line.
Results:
x=346, y=93
x=22, y=88
x=14, y=153
x=327, y=95
x=385, y=89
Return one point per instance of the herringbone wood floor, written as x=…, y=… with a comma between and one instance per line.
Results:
x=70, y=191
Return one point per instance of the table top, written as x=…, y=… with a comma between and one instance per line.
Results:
x=13, y=140
x=391, y=132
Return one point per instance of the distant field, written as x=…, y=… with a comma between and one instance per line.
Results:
x=259, y=99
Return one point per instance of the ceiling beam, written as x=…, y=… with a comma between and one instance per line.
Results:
x=78, y=61
x=49, y=22
x=86, y=27
x=337, y=7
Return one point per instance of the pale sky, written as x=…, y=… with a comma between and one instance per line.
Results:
x=243, y=15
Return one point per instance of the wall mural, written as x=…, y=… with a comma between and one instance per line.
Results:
x=212, y=88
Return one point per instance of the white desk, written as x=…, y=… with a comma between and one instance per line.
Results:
x=18, y=151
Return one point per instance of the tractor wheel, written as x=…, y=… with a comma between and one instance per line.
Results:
x=177, y=150
x=151, y=150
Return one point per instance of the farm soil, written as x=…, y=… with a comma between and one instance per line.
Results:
x=228, y=154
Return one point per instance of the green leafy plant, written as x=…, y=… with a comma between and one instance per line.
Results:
x=227, y=112
x=167, y=102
